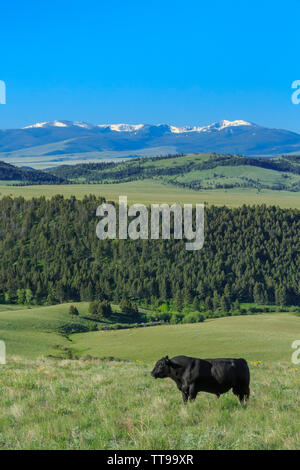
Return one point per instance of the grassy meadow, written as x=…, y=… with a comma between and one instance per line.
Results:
x=37, y=331
x=151, y=191
x=96, y=403
x=264, y=337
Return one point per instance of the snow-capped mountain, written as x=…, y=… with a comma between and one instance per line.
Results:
x=49, y=124
x=57, y=142
x=136, y=127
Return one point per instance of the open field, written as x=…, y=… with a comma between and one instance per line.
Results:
x=50, y=403
x=234, y=174
x=191, y=171
x=33, y=332
x=149, y=191
x=40, y=331
x=265, y=337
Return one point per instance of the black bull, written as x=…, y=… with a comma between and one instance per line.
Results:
x=215, y=376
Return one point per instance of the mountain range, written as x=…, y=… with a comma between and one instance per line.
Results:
x=49, y=144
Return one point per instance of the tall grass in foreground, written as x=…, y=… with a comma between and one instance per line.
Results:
x=70, y=404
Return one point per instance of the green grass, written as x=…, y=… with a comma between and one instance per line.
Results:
x=38, y=331
x=32, y=333
x=150, y=191
x=99, y=404
x=10, y=182
x=194, y=171
x=227, y=174
x=111, y=405
x=266, y=337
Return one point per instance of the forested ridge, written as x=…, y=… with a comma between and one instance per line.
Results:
x=10, y=172
x=49, y=253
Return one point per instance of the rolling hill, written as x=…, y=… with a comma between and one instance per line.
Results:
x=90, y=403
x=193, y=171
x=49, y=144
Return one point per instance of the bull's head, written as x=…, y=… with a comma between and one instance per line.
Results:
x=162, y=368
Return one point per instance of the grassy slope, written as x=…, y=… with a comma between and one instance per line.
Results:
x=234, y=173
x=108, y=405
x=208, y=170
x=266, y=337
x=32, y=333
x=35, y=332
x=159, y=190
x=149, y=191
x=93, y=404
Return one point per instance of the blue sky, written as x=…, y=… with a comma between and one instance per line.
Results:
x=161, y=61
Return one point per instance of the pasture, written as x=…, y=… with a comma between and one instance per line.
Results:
x=264, y=337
x=94, y=403
x=151, y=191
x=67, y=404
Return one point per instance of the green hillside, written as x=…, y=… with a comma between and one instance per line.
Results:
x=155, y=191
x=49, y=251
x=90, y=403
x=40, y=331
x=213, y=179
x=193, y=171
x=43, y=331
x=266, y=337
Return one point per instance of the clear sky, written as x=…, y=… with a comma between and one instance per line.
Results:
x=176, y=62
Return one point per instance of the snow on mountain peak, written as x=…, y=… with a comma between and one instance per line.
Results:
x=180, y=130
x=217, y=126
x=122, y=127
x=223, y=124
x=60, y=124
x=48, y=124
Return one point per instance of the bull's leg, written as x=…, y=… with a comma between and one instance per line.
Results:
x=185, y=397
x=192, y=392
x=247, y=394
x=242, y=393
x=241, y=398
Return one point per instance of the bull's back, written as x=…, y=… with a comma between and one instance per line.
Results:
x=233, y=370
x=226, y=371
